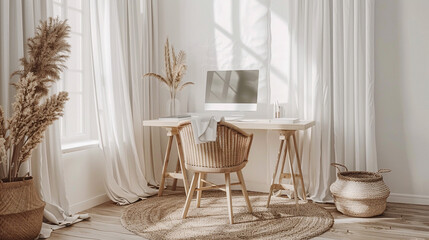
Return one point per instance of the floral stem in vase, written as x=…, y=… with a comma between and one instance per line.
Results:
x=172, y=103
x=175, y=69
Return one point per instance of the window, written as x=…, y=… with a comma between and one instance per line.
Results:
x=78, y=126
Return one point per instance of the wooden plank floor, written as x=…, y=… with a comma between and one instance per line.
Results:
x=400, y=221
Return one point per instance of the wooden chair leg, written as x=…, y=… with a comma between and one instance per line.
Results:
x=244, y=190
x=275, y=172
x=228, y=197
x=292, y=172
x=190, y=194
x=200, y=184
x=173, y=187
x=164, y=167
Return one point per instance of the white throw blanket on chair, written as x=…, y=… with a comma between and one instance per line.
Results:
x=205, y=128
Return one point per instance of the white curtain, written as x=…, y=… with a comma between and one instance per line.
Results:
x=329, y=70
x=123, y=41
x=19, y=19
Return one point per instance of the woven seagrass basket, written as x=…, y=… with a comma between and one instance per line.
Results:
x=21, y=210
x=360, y=194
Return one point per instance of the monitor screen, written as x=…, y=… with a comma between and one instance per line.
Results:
x=234, y=90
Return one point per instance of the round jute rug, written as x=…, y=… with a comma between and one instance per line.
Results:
x=160, y=218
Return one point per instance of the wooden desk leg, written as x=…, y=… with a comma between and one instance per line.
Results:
x=182, y=164
x=304, y=194
x=292, y=171
x=177, y=170
x=164, y=167
x=283, y=163
x=275, y=171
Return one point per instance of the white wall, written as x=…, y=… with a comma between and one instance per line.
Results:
x=402, y=96
x=217, y=35
x=224, y=35
x=84, y=178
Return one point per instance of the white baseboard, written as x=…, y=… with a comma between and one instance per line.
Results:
x=408, y=198
x=87, y=204
x=256, y=186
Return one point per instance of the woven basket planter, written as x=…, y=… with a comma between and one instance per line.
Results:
x=360, y=194
x=21, y=210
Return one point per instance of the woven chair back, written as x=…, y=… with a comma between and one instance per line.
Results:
x=230, y=149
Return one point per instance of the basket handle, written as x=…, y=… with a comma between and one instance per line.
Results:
x=337, y=165
x=384, y=170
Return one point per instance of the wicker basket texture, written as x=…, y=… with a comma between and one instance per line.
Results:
x=21, y=210
x=360, y=194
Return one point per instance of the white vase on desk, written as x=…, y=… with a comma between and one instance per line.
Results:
x=173, y=105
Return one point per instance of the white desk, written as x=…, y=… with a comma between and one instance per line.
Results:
x=243, y=124
x=287, y=135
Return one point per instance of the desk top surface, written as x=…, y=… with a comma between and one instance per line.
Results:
x=262, y=124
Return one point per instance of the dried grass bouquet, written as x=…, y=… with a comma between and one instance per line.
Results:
x=33, y=109
x=175, y=69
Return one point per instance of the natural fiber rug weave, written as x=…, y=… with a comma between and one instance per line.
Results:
x=160, y=218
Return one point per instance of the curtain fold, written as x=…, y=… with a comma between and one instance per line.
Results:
x=353, y=78
x=330, y=79
x=122, y=46
x=144, y=94
x=19, y=20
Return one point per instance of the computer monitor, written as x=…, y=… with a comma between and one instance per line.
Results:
x=233, y=90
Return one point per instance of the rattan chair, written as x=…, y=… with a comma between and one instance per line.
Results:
x=226, y=155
